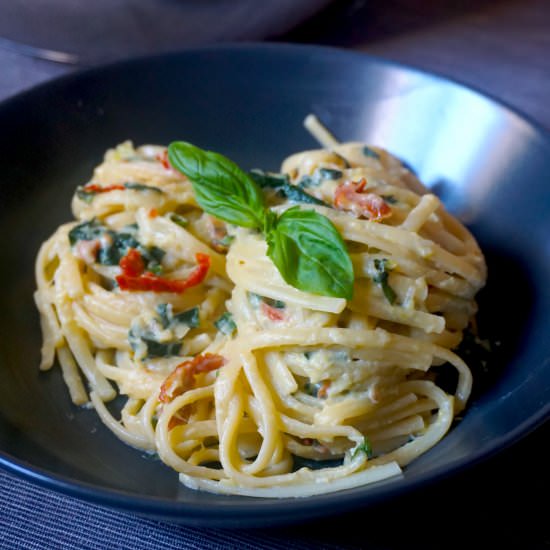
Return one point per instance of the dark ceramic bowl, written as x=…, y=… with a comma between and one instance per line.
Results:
x=489, y=165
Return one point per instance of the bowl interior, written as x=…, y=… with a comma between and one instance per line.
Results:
x=490, y=167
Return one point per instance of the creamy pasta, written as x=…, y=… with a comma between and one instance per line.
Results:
x=239, y=381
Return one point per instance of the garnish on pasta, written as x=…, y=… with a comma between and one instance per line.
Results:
x=274, y=334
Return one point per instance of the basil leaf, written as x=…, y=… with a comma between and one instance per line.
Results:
x=221, y=187
x=310, y=254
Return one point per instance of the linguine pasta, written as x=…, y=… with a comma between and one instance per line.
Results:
x=241, y=382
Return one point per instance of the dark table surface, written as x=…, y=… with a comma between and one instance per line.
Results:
x=500, y=47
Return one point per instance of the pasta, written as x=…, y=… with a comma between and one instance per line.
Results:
x=241, y=382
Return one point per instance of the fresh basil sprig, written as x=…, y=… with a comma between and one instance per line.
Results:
x=304, y=245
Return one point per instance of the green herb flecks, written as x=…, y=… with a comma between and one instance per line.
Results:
x=305, y=246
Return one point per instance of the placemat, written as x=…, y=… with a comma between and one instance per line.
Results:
x=34, y=518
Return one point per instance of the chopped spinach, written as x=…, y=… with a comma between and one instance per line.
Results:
x=179, y=220
x=161, y=349
x=329, y=174
x=364, y=447
x=83, y=195
x=318, y=177
x=225, y=242
x=168, y=319
x=308, y=181
x=87, y=195
x=278, y=304
x=165, y=314
x=341, y=356
x=390, y=199
x=368, y=152
x=87, y=231
x=143, y=340
x=225, y=324
x=134, y=186
x=254, y=299
x=153, y=348
x=114, y=246
x=312, y=389
x=295, y=194
x=383, y=267
x=281, y=185
x=189, y=318
x=120, y=243
x=268, y=179
x=343, y=159
x=408, y=167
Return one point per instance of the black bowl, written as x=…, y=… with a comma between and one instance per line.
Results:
x=489, y=165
